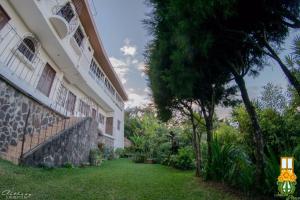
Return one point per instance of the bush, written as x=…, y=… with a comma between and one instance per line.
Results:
x=139, y=157
x=230, y=163
x=68, y=165
x=119, y=152
x=163, y=153
x=95, y=157
x=108, y=153
x=184, y=159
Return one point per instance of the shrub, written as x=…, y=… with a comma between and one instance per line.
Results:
x=184, y=159
x=119, y=152
x=139, y=157
x=95, y=157
x=68, y=165
x=272, y=171
x=108, y=153
x=230, y=163
x=227, y=134
x=163, y=153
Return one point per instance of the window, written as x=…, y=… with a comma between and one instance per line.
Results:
x=101, y=118
x=4, y=18
x=109, y=87
x=62, y=95
x=94, y=113
x=70, y=104
x=84, y=108
x=78, y=36
x=66, y=12
x=109, y=125
x=119, y=125
x=95, y=70
x=46, y=80
x=27, y=48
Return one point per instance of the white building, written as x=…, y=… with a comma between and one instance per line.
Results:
x=51, y=51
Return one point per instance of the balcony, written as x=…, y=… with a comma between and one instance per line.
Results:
x=64, y=19
x=102, y=81
x=19, y=55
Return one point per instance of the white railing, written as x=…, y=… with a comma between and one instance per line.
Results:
x=101, y=82
x=67, y=11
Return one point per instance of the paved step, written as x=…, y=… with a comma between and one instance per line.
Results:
x=32, y=140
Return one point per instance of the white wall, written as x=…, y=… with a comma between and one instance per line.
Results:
x=100, y=95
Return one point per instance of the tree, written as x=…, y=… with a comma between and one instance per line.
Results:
x=180, y=75
x=273, y=97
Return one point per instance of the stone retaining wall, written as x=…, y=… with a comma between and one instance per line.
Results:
x=72, y=146
x=14, y=107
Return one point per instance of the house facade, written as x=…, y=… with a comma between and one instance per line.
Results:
x=51, y=52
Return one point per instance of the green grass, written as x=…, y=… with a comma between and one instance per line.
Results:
x=113, y=180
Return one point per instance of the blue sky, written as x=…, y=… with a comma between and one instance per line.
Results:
x=124, y=37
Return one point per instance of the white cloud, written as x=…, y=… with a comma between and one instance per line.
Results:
x=120, y=67
x=147, y=90
x=141, y=66
x=223, y=113
x=128, y=49
x=137, y=100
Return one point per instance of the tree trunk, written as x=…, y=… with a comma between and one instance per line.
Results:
x=257, y=135
x=208, y=117
x=196, y=145
x=292, y=79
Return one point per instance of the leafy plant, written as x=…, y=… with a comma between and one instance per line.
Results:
x=95, y=157
x=184, y=159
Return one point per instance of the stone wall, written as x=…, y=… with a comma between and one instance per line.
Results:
x=71, y=146
x=14, y=107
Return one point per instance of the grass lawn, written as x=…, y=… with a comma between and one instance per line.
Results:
x=113, y=180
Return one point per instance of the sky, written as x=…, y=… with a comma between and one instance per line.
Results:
x=124, y=36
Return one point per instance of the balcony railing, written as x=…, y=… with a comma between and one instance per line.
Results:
x=25, y=68
x=102, y=81
x=67, y=12
x=17, y=57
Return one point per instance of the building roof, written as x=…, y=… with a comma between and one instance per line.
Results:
x=100, y=55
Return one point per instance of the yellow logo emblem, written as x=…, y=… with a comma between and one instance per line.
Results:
x=286, y=181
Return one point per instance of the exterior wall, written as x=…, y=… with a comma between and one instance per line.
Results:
x=14, y=107
x=72, y=146
x=92, y=92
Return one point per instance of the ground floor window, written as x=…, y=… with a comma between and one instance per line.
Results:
x=101, y=118
x=119, y=125
x=84, y=108
x=109, y=125
x=4, y=18
x=46, y=80
x=62, y=95
x=70, y=104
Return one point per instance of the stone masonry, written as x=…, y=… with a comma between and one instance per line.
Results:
x=14, y=107
x=72, y=146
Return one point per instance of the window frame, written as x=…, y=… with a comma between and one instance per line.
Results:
x=29, y=52
x=79, y=36
x=65, y=12
x=3, y=24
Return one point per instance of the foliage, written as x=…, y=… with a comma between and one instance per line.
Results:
x=226, y=134
x=184, y=159
x=232, y=164
x=139, y=157
x=68, y=165
x=108, y=153
x=95, y=157
x=273, y=98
